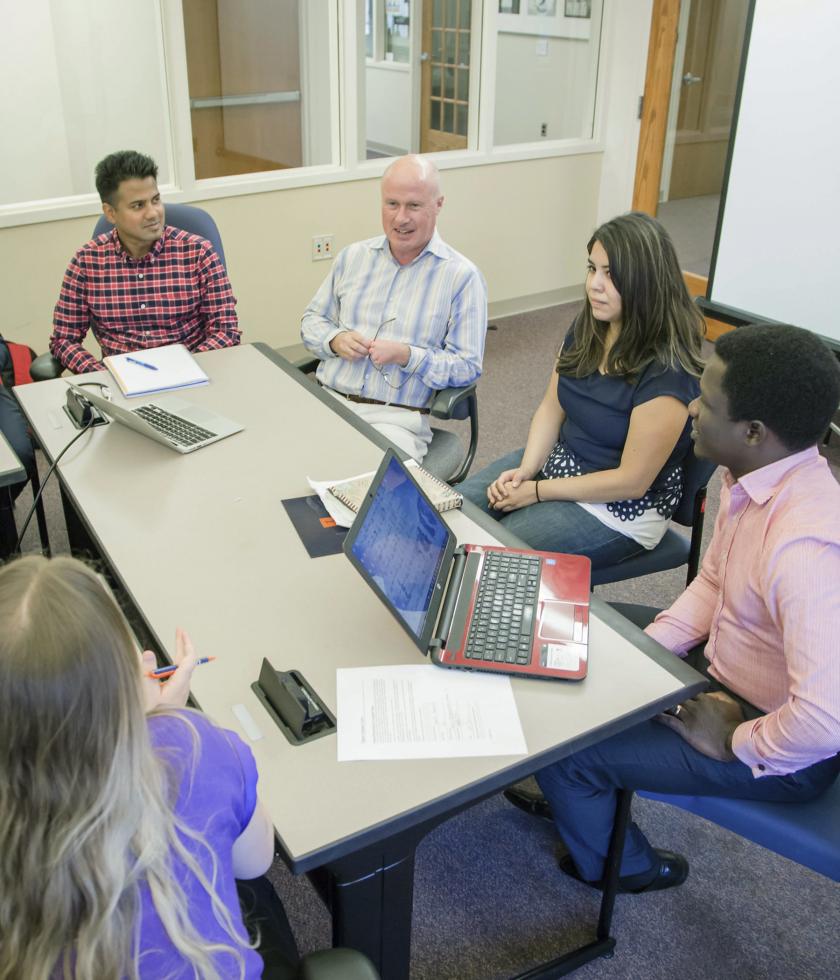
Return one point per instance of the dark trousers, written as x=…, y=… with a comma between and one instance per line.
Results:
x=265, y=919
x=583, y=788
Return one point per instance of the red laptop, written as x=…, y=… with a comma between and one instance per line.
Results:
x=507, y=610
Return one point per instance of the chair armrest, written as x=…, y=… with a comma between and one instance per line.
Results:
x=299, y=357
x=45, y=367
x=453, y=403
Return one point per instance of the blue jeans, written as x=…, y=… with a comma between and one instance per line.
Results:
x=555, y=525
x=583, y=788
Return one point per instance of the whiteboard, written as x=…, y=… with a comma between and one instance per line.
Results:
x=777, y=249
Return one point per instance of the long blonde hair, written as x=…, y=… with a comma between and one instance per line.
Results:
x=86, y=807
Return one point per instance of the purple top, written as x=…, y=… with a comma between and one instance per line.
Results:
x=217, y=777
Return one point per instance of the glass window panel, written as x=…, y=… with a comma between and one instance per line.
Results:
x=451, y=38
x=256, y=83
x=449, y=83
x=369, y=28
x=555, y=90
x=393, y=124
x=448, y=117
x=463, y=48
x=461, y=116
x=463, y=84
x=60, y=116
x=397, y=24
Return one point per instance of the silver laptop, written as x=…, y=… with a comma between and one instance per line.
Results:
x=175, y=423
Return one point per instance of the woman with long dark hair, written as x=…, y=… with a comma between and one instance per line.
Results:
x=601, y=472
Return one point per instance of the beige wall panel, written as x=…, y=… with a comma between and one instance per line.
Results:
x=525, y=225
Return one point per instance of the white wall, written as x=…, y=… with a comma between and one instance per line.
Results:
x=622, y=70
x=388, y=102
x=44, y=84
x=317, y=82
x=34, y=111
x=534, y=88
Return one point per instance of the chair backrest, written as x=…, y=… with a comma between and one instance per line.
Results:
x=186, y=217
x=696, y=474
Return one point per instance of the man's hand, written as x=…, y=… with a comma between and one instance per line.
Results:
x=350, y=345
x=173, y=692
x=707, y=723
x=384, y=352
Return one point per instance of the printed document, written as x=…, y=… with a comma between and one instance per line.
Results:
x=418, y=711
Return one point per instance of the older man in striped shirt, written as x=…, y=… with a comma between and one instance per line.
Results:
x=401, y=315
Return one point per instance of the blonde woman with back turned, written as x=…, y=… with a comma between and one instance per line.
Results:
x=121, y=831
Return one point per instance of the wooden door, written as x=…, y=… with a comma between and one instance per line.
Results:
x=445, y=75
x=660, y=66
x=709, y=80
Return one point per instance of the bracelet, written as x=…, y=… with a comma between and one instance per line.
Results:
x=537, y=490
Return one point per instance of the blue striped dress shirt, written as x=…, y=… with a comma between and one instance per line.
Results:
x=437, y=304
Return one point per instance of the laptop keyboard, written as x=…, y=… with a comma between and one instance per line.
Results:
x=174, y=427
x=502, y=628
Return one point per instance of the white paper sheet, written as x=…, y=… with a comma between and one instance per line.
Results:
x=339, y=512
x=425, y=712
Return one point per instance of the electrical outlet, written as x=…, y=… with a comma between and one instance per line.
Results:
x=544, y=129
x=322, y=247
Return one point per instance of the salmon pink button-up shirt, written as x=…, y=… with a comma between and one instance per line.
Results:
x=768, y=599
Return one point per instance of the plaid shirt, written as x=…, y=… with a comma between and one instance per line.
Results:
x=178, y=293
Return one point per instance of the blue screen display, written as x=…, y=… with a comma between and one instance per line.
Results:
x=401, y=546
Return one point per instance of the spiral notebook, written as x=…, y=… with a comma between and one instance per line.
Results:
x=155, y=369
x=352, y=492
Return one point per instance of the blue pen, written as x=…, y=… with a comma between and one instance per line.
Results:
x=161, y=673
x=145, y=364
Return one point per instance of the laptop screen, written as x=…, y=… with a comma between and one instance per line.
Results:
x=401, y=544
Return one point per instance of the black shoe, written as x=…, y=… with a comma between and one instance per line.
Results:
x=671, y=871
x=527, y=796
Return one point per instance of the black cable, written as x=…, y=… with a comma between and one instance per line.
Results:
x=85, y=428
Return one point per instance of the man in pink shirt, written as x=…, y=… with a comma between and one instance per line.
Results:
x=761, y=620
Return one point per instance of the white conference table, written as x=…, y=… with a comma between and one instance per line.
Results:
x=202, y=541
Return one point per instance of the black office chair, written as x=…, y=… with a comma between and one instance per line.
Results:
x=445, y=458
x=183, y=216
x=339, y=963
x=674, y=549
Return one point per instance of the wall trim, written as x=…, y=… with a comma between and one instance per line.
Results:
x=535, y=301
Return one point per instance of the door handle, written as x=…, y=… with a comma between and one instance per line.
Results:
x=689, y=79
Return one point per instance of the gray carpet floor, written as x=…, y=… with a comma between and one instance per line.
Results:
x=489, y=900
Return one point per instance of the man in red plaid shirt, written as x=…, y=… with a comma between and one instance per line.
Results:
x=145, y=284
